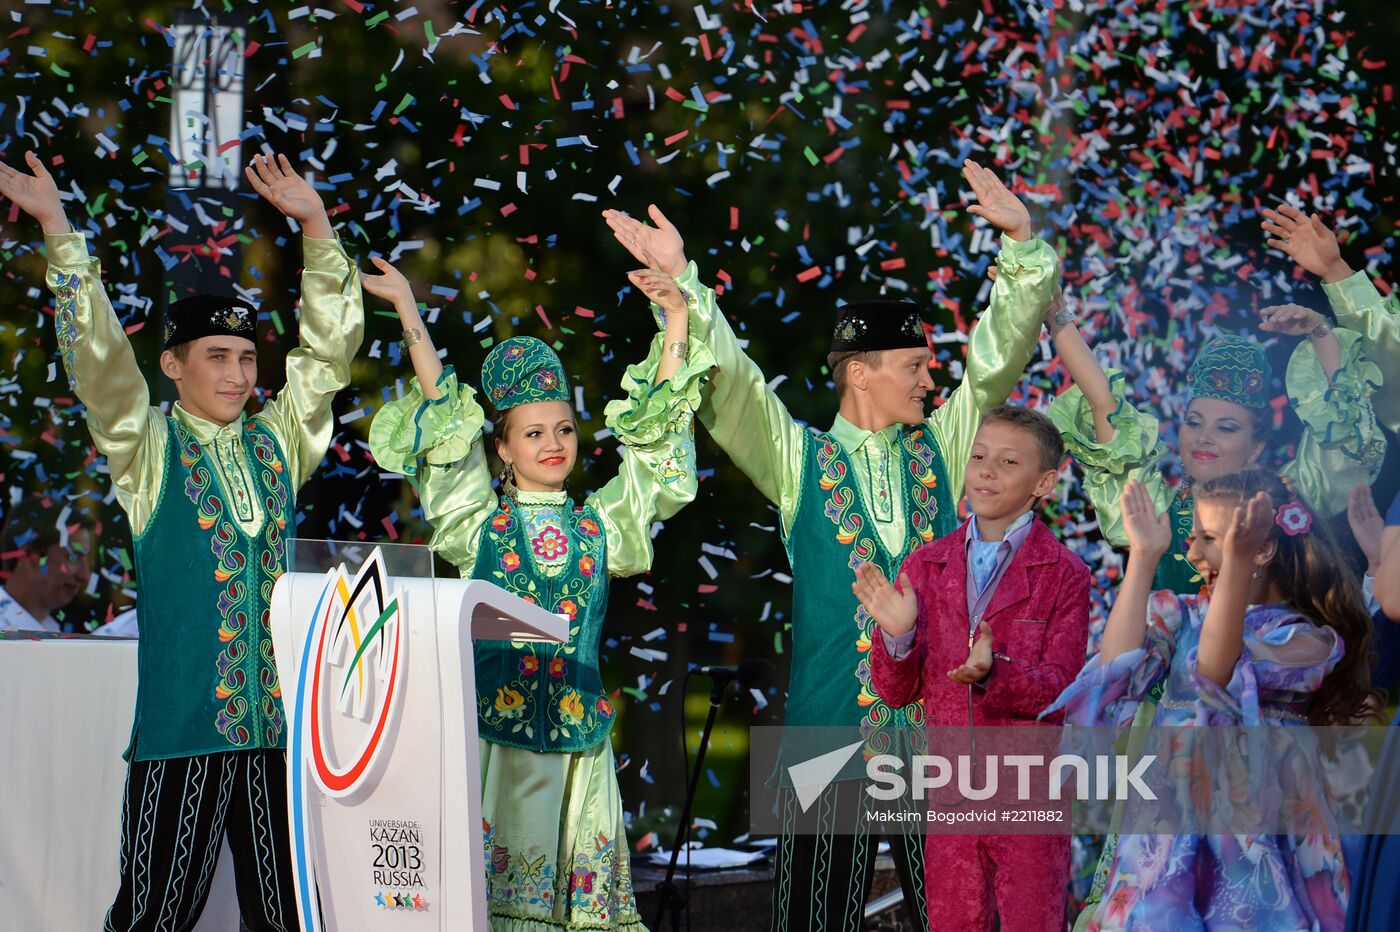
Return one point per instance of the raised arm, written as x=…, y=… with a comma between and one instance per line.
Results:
x=657, y=476
x=1222, y=632
x=1000, y=344
x=97, y=357
x=1331, y=382
x=741, y=412
x=1084, y=370
x=1356, y=302
x=439, y=422
x=332, y=321
x=1149, y=535
x=1388, y=575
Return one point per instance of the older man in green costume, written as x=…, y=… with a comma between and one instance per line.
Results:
x=883, y=480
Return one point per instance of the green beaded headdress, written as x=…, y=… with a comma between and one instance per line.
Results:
x=521, y=370
x=1232, y=369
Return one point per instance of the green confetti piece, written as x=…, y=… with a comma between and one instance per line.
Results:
x=277, y=324
x=54, y=67
x=404, y=104
x=376, y=19
x=308, y=47
x=140, y=158
x=428, y=31
x=383, y=82
x=811, y=156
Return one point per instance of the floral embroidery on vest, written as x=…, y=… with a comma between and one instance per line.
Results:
x=540, y=690
x=841, y=508
x=276, y=499
x=233, y=688
x=925, y=475
x=841, y=501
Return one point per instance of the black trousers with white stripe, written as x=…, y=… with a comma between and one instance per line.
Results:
x=825, y=870
x=174, y=818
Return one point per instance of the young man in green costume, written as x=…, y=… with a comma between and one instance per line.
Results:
x=883, y=480
x=210, y=496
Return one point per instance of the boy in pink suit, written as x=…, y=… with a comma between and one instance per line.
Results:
x=990, y=622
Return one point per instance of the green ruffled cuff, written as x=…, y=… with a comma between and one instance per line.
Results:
x=1135, y=442
x=652, y=411
x=1339, y=411
x=442, y=429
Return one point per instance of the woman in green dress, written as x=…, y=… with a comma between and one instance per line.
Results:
x=555, y=847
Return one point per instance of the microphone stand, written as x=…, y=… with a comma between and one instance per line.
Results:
x=671, y=896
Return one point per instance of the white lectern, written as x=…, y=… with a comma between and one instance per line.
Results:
x=384, y=786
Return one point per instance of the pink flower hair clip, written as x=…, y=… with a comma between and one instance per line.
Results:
x=1294, y=518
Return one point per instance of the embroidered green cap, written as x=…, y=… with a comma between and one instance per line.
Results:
x=1233, y=369
x=522, y=370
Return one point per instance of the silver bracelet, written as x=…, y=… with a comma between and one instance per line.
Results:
x=678, y=349
x=411, y=337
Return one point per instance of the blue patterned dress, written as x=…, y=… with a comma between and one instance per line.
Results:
x=1173, y=883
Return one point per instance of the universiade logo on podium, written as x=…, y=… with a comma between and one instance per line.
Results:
x=359, y=634
x=351, y=677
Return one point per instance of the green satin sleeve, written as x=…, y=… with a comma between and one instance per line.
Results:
x=1358, y=306
x=742, y=414
x=103, y=374
x=999, y=348
x=1342, y=444
x=331, y=329
x=454, y=481
x=656, y=424
x=1134, y=452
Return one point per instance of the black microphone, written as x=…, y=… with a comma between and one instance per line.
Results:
x=756, y=671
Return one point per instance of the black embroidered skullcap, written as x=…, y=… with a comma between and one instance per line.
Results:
x=207, y=315
x=862, y=326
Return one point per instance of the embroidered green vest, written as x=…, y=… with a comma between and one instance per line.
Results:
x=207, y=681
x=540, y=696
x=831, y=534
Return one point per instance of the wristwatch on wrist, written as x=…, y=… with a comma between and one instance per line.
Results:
x=1321, y=330
x=678, y=349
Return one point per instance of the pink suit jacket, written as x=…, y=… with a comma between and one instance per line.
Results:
x=1039, y=617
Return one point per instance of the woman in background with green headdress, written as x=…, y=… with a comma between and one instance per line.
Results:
x=556, y=851
x=1226, y=428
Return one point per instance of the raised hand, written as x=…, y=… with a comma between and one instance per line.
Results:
x=389, y=285
x=277, y=181
x=1149, y=533
x=894, y=610
x=979, y=658
x=1250, y=527
x=1291, y=320
x=36, y=194
x=1307, y=241
x=995, y=202
x=1367, y=525
x=661, y=289
x=657, y=247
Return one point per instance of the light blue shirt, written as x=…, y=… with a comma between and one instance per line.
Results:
x=987, y=559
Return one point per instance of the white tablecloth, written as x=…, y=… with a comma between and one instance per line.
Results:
x=65, y=717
